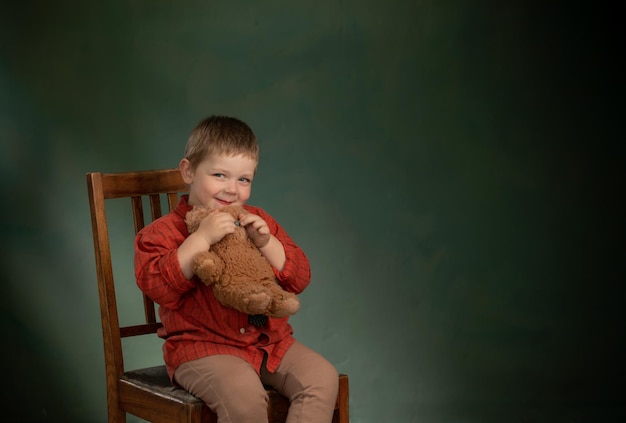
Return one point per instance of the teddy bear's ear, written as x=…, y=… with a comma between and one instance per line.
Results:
x=193, y=218
x=191, y=225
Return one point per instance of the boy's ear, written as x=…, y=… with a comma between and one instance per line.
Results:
x=186, y=171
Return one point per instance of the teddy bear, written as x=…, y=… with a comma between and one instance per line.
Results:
x=239, y=274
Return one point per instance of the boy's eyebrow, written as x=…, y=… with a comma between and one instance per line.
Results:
x=221, y=170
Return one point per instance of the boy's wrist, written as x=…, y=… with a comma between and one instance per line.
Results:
x=199, y=242
x=265, y=241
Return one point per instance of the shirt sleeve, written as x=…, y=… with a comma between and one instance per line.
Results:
x=157, y=270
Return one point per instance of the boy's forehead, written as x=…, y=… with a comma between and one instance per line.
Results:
x=231, y=157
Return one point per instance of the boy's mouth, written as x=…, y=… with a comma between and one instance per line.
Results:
x=223, y=202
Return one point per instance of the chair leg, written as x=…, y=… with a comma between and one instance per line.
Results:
x=116, y=415
x=343, y=400
x=342, y=412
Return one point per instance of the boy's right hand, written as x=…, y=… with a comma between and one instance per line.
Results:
x=215, y=226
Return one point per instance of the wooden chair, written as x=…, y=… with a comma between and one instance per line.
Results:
x=148, y=393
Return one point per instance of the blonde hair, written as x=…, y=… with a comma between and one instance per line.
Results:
x=220, y=135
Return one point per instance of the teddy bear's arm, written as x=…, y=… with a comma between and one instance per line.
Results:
x=208, y=267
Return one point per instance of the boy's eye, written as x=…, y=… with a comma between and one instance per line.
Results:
x=218, y=175
x=246, y=180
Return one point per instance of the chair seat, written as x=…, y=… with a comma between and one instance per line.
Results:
x=155, y=379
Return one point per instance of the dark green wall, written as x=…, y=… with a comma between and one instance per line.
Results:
x=453, y=169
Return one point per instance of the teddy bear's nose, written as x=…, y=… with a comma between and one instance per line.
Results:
x=237, y=223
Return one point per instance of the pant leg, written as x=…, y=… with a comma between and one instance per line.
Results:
x=228, y=385
x=309, y=381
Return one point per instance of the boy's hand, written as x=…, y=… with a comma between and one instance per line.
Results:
x=216, y=226
x=257, y=229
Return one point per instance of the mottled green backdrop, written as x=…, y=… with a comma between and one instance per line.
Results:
x=453, y=169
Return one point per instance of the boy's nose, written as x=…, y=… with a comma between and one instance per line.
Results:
x=231, y=187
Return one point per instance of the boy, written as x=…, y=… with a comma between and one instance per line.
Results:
x=218, y=354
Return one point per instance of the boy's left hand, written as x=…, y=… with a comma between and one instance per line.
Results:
x=257, y=229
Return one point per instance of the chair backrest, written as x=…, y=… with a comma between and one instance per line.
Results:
x=153, y=186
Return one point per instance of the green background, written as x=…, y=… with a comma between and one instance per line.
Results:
x=454, y=171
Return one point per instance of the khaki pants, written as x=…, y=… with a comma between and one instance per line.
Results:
x=233, y=390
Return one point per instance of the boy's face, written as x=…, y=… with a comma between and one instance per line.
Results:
x=219, y=180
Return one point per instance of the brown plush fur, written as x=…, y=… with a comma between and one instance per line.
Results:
x=241, y=277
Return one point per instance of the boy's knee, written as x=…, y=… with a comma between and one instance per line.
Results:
x=247, y=405
x=329, y=375
x=325, y=382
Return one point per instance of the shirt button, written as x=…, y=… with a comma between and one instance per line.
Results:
x=242, y=330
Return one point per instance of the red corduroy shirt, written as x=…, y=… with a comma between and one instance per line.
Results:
x=195, y=324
